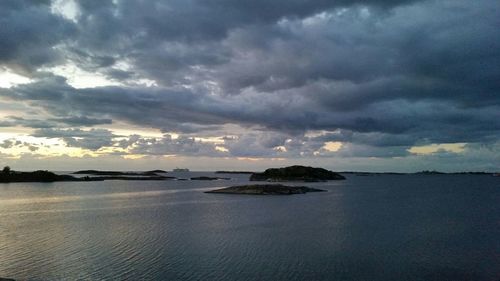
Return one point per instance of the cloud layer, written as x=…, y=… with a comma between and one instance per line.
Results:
x=255, y=79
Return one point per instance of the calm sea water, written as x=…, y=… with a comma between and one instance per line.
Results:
x=415, y=227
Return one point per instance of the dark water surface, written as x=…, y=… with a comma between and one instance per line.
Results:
x=413, y=227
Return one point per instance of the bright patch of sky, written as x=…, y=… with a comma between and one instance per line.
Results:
x=433, y=148
x=79, y=78
x=332, y=146
x=66, y=8
x=9, y=79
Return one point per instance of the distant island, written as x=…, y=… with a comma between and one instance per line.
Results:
x=7, y=175
x=203, y=178
x=425, y=172
x=117, y=173
x=265, y=189
x=233, y=172
x=129, y=178
x=291, y=173
x=296, y=173
x=184, y=170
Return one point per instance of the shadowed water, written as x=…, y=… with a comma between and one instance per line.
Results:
x=414, y=227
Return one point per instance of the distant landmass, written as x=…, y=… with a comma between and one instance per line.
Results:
x=265, y=189
x=291, y=173
x=296, y=173
x=129, y=178
x=118, y=173
x=233, y=172
x=425, y=172
x=208, y=178
x=7, y=175
x=185, y=170
x=37, y=176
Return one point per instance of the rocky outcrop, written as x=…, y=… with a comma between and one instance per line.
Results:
x=208, y=178
x=234, y=172
x=296, y=173
x=118, y=173
x=7, y=176
x=265, y=189
x=36, y=176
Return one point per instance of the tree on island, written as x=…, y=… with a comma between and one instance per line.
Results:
x=6, y=170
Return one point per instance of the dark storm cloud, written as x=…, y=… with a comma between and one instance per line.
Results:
x=73, y=121
x=82, y=121
x=357, y=58
x=28, y=31
x=167, y=145
x=380, y=76
x=164, y=39
x=389, y=123
x=195, y=19
x=159, y=108
x=13, y=121
x=92, y=139
x=256, y=144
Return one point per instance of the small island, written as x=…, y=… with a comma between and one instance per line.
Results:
x=7, y=175
x=234, y=172
x=203, y=178
x=265, y=189
x=118, y=173
x=296, y=173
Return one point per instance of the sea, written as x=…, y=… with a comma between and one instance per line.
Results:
x=378, y=227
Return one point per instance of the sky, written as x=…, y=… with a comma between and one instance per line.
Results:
x=365, y=85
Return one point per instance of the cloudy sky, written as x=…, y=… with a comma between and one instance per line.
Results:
x=371, y=85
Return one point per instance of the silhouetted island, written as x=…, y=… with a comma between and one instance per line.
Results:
x=265, y=189
x=233, y=172
x=427, y=172
x=7, y=175
x=296, y=173
x=118, y=173
x=131, y=178
x=208, y=178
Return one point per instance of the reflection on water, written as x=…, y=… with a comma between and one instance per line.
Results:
x=118, y=195
x=365, y=228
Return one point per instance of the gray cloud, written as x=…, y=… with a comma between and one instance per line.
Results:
x=380, y=76
x=12, y=143
x=82, y=121
x=92, y=139
x=8, y=143
x=73, y=121
x=28, y=34
x=167, y=145
x=13, y=121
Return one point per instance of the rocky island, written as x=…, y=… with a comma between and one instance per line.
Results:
x=203, y=178
x=118, y=173
x=265, y=189
x=296, y=173
x=7, y=175
x=234, y=172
